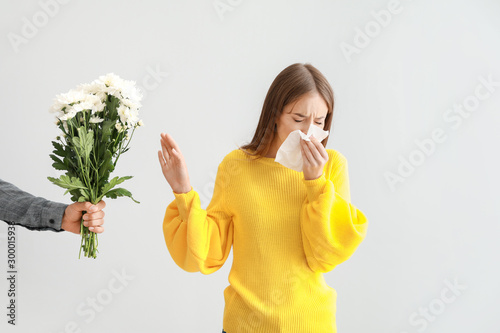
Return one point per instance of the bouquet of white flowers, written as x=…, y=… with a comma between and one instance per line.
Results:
x=95, y=120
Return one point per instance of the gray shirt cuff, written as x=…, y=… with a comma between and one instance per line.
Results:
x=51, y=216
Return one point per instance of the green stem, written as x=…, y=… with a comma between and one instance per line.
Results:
x=130, y=139
x=81, y=243
x=120, y=146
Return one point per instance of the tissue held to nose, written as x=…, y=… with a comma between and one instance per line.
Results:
x=289, y=153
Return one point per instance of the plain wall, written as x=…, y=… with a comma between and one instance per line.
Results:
x=410, y=105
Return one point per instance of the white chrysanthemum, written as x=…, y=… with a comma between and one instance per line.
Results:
x=124, y=90
x=97, y=104
x=91, y=98
x=68, y=114
x=102, y=95
x=120, y=127
x=93, y=88
x=94, y=96
x=56, y=107
x=63, y=100
x=73, y=96
x=114, y=91
x=95, y=120
x=110, y=84
x=133, y=119
x=110, y=79
x=135, y=96
x=123, y=112
x=84, y=105
x=98, y=107
x=128, y=117
x=91, y=102
x=131, y=104
x=130, y=91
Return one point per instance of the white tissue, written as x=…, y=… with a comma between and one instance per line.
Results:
x=289, y=153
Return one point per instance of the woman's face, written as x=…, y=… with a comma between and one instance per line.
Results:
x=309, y=109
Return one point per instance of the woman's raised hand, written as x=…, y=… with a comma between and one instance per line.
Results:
x=314, y=156
x=173, y=165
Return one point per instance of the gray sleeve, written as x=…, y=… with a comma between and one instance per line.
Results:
x=34, y=213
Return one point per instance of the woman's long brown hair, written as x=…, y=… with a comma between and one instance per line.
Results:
x=290, y=84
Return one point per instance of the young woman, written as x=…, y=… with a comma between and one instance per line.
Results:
x=286, y=228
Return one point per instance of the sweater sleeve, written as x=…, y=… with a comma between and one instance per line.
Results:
x=199, y=240
x=331, y=227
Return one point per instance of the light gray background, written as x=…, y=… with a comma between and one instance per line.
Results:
x=437, y=227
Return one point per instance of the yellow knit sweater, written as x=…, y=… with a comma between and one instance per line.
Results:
x=285, y=232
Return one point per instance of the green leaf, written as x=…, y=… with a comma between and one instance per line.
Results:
x=84, y=142
x=55, y=159
x=120, y=192
x=57, y=145
x=59, y=150
x=70, y=160
x=59, y=166
x=75, y=198
x=107, y=127
x=112, y=183
x=72, y=183
x=85, y=194
x=112, y=105
x=105, y=165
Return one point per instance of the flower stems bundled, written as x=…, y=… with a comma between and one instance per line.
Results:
x=95, y=120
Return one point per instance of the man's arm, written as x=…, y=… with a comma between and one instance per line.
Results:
x=34, y=213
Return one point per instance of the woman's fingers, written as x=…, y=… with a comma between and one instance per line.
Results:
x=306, y=152
x=166, y=155
x=313, y=152
x=161, y=159
x=319, y=147
x=164, y=151
x=170, y=143
x=314, y=155
x=169, y=147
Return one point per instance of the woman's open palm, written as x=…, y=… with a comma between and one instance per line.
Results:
x=173, y=164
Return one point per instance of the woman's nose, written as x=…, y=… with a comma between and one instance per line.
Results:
x=305, y=125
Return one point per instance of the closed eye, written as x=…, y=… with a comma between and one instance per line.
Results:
x=299, y=121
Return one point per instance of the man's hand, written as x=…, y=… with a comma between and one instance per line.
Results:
x=94, y=218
